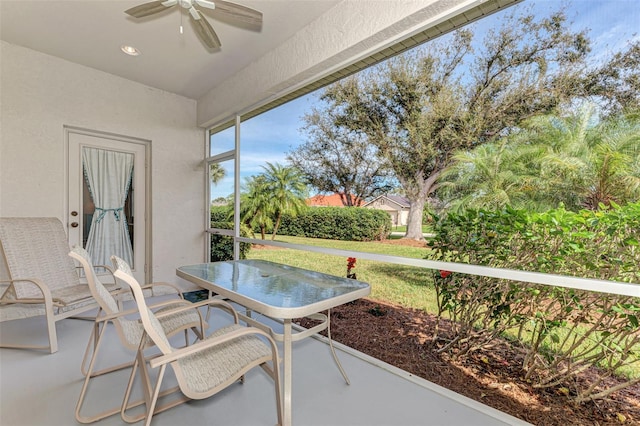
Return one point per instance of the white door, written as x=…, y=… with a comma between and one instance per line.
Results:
x=81, y=207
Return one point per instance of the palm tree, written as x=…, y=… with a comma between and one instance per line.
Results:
x=286, y=191
x=491, y=176
x=573, y=160
x=615, y=163
x=589, y=163
x=216, y=173
x=255, y=205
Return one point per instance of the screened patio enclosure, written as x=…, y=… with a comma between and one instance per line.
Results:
x=44, y=93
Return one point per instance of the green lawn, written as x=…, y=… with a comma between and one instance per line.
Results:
x=405, y=285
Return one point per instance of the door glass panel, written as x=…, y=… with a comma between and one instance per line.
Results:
x=107, y=176
x=88, y=209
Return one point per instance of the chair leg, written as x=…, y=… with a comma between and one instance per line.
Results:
x=154, y=398
x=274, y=372
x=92, y=345
x=51, y=328
x=127, y=394
x=93, y=338
x=199, y=332
x=140, y=364
x=276, y=380
x=98, y=339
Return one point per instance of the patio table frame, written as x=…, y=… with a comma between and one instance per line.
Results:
x=246, y=286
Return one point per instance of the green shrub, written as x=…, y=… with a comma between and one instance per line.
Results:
x=563, y=330
x=219, y=213
x=222, y=245
x=338, y=223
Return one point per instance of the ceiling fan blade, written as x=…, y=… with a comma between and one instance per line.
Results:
x=204, y=30
x=239, y=12
x=150, y=8
x=206, y=3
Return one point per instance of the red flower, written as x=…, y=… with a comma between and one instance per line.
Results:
x=351, y=263
x=444, y=274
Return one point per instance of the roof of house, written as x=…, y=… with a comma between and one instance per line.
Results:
x=396, y=199
x=404, y=202
x=320, y=200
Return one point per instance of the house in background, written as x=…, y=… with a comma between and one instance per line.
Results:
x=395, y=205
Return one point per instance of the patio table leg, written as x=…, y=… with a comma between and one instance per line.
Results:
x=286, y=383
x=333, y=350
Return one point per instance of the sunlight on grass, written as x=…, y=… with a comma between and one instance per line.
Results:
x=403, y=228
x=365, y=246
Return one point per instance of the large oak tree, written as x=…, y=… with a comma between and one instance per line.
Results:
x=336, y=159
x=420, y=108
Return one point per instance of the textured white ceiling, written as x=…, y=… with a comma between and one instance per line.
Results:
x=90, y=33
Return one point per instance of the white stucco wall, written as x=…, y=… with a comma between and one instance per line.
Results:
x=39, y=94
x=350, y=31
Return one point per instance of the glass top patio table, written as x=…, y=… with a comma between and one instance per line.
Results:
x=273, y=289
x=279, y=291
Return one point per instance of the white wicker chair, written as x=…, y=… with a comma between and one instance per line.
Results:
x=129, y=331
x=42, y=279
x=205, y=367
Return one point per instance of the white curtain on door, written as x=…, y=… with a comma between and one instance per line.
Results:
x=108, y=175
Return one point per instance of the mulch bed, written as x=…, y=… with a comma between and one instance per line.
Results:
x=401, y=337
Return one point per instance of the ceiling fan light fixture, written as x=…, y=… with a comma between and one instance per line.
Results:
x=130, y=50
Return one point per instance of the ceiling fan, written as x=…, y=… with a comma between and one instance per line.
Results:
x=203, y=29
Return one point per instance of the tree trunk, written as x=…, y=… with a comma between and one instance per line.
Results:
x=414, y=221
x=423, y=187
x=276, y=226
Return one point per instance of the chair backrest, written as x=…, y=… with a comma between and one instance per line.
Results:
x=151, y=324
x=128, y=329
x=37, y=247
x=106, y=301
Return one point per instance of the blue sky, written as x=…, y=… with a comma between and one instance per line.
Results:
x=269, y=136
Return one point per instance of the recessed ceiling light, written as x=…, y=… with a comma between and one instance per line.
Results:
x=130, y=50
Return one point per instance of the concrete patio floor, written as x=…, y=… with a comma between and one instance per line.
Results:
x=37, y=388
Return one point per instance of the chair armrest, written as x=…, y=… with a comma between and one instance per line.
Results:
x=214, y=303
x=183, y=303
x=44, y=289
x=119, y=291
x=151, y=286
x=107, y=267
x=135, y=310
x=209, y=343
x=109, y=317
